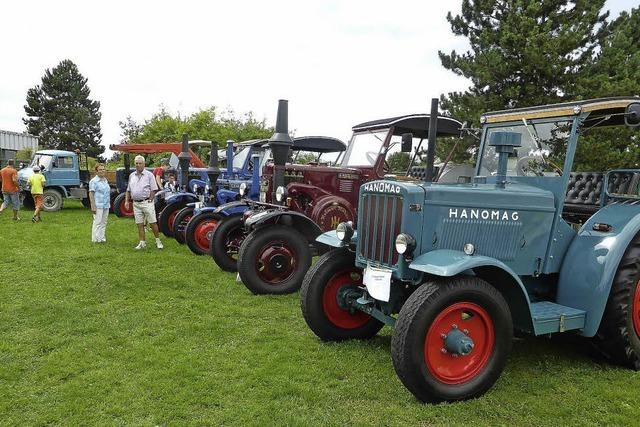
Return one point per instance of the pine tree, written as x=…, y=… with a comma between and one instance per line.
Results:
x=61, y=114
x=522, y=53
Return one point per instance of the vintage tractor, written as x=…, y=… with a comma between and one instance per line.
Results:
x=223, y=245
x=530, y=246
x=277, y=251
x=239, y=171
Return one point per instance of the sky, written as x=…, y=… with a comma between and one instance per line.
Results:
x=339, y=63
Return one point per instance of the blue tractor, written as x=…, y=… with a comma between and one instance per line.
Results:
x=532, y=246
x=199, y=189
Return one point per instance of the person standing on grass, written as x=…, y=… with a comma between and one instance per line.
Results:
x=10, y=190
x=36, y=183
x=158, y=172
x=99, y=196
x=141, y=189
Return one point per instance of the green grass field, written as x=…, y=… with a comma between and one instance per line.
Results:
x=107, y=335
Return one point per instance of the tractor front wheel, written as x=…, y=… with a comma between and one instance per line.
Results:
x=452, y=339
x=180, y=224
x=199, y=231
x=323, y=299
x=120, y=208
x=167, y=218
x=274, y=260
x=225, y=242
x=618, y=336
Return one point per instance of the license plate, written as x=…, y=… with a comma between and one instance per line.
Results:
x=378, y=282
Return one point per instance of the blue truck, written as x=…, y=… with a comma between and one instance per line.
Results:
x=532, y=245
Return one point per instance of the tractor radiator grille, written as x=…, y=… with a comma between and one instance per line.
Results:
x=498, y=239
x=381, y=220
x=345, y=186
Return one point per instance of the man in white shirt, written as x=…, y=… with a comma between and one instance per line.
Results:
x=141, y=189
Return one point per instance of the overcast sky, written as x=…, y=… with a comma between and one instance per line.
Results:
x=338, y=63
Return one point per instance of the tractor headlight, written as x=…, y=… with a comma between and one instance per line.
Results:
x=405, y=244
x=243, y=189
x=344, y=231
x=281, y=194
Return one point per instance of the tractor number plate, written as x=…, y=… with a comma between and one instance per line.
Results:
x=378, y=282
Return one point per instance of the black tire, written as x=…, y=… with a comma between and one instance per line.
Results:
x=28, y=202
x=334, y=271
x=51, y=200
x=277, y=251
x=426, y=319
x=618, y=335
x=180, y=224
x=119, y=206
x=199, y=232
x=167, y=218
x=226, y=241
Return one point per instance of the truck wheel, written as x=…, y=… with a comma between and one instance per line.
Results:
x=167, y=218
x=618, y=336
x=28, y=202
x=225, y=242
x=119, y=207
x=332, y=276
x=274, y=260
x=180, y=224
x=199, y=231
x=452, y=339
x=51, y=200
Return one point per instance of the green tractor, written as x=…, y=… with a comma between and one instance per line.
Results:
x=528, y=245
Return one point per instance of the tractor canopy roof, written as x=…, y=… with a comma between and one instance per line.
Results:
x=596, y=108
x=318, y=144
x=418, y=124
x=55, y=153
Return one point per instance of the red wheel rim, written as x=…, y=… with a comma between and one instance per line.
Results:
x=635, y=309
x=123, y=208
x=202, y=233
x=276, y=263
x=336, y=314
x=171, y=220
x=475, y=322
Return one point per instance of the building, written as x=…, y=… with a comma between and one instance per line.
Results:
x=12, y=142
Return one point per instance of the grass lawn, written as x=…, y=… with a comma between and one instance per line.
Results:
x=107, y=335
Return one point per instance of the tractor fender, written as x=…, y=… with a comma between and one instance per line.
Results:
x=592, y=260
x=300, y=222
x=330, y=238
x=225, y=196
x=447, y=263
x=233, y=208
x=329, y=211
x=182, y=198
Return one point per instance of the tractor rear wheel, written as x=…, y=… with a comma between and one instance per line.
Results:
x=274, y=260
x=332, y=277
x=452, y=339
x=119, y=207
x=27, y=201
x=51, y=200
x=180, y=224
x=225, y=242
x=199, y=231
x=618, y=337
x=167, y=218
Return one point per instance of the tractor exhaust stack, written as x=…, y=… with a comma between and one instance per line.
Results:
x=280, y=144
x=184, y=158
x=431, y=148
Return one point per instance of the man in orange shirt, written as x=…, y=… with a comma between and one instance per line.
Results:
x=10, y=190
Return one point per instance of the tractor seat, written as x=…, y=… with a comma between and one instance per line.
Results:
x=420, y=172
x=583, y=194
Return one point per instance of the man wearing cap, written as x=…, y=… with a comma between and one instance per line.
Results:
x=36, y=183
x=141, y=189
x=10, y=190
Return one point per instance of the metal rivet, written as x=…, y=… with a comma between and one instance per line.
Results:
x=443, y=350
x=466, y=331
x=454, y=326
x=443, y=336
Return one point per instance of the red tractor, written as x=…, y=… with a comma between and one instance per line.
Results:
x=277, y=251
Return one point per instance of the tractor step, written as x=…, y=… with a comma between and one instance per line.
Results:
x=549, y=317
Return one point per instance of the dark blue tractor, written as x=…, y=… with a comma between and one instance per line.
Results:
x=200, y=190
x=204, y=223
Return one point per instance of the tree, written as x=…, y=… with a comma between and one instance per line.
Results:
x=523, y=53
x=60, y=112
x=398, y=162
